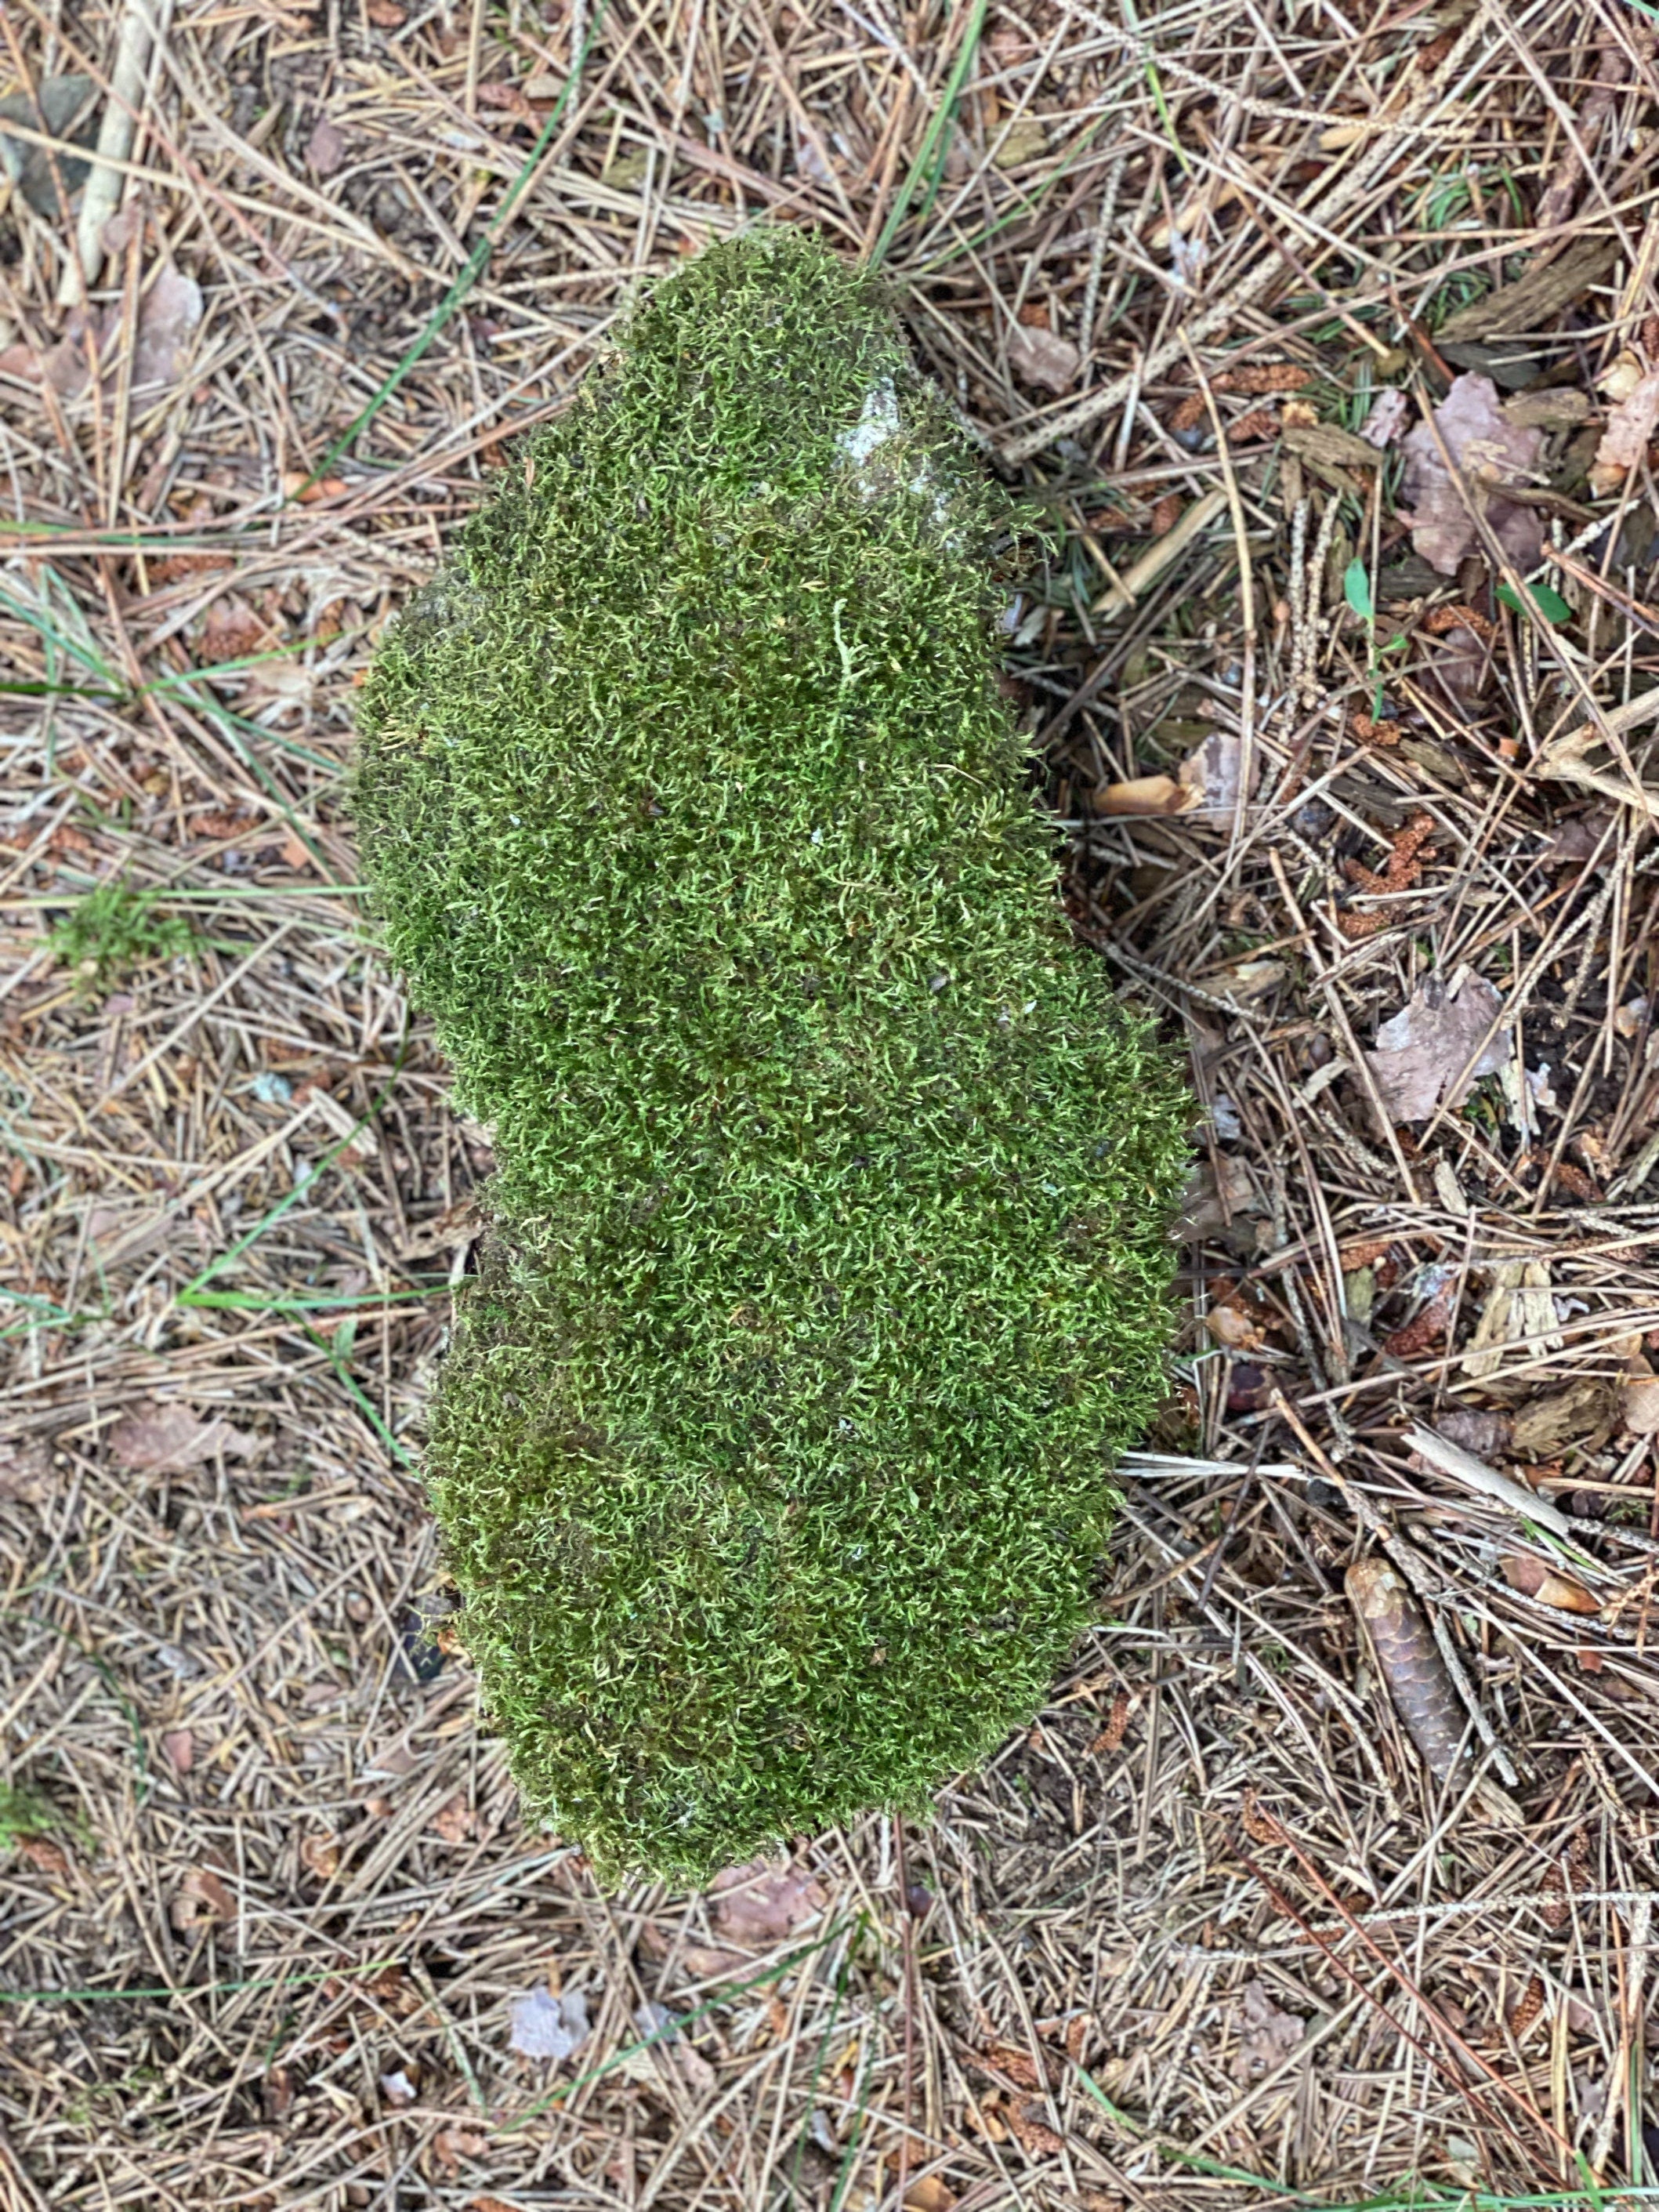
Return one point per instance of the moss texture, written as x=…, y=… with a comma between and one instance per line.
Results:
x=773, y=1447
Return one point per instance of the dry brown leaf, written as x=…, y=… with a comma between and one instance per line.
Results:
x=179, y=1748
x=1525, y=1572
x=1625, y=440
x=761, y=1903
x=1037, y=357
x=201, y=1899
x=1421, y=1051
x=929, y=2195
x=154, y=1436
x=1487, y=451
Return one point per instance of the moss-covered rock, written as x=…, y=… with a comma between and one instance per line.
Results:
x=772, y=1448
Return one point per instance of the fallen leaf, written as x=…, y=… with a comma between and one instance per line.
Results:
x=169, y=315
x=548, y=2027
x=759, y=1904
x=387, y=15
x=1266, y=2033
x=1488, y=450
x=1387, y=418
x=201, y=1899
x=929, y=2195
x=1529, y=1575
x=179, y=1748
x=1625, y=440
x=1422, y=1051
x=156, y=1435
x=320, y=1855
x=398, y=2088
x=1037, y=357
x=453, y=1818
x=326, y=151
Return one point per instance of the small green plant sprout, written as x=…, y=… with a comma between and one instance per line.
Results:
x=830, y=1264
x=113, y=930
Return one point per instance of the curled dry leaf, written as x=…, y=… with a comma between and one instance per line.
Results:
x=1625, y=440
x=1526, y=1572
x=1488, y=452
x=1409, y=1663
x=154, y=1436
x=1424, y=1049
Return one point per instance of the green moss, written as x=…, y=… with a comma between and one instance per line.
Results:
x=773, y=1448
x=113, y=930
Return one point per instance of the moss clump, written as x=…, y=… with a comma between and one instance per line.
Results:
x=113, y=930
x=773, y=1448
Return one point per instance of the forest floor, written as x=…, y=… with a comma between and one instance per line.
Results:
x=1328, y=336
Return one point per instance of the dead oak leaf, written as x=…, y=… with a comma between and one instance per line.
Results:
x=152, y=1437
x=1422, y=1051
x=1487, y=451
